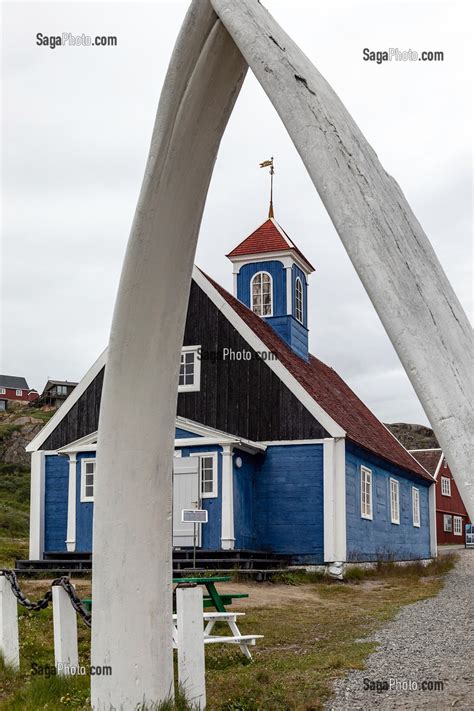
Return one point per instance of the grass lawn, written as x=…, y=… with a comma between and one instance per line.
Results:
x=314, y=631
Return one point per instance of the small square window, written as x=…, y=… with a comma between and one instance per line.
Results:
x=445, y=486
x=18, y=392
x=87, y=480
x=2, y=391
x=190, y=369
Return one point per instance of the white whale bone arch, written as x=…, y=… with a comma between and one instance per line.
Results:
x=132, y=565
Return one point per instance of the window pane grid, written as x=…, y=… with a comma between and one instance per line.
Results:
x=262, y=294
x=416, y=507
x=299, y=300
x=445, y=486
x=366, y=493
x=457, y=526
x=394, y=501
x=186, y=369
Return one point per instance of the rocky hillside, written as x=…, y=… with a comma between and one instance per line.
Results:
x=17, y=428
x=413, y=436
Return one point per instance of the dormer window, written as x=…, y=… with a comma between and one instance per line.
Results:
x=261, y=294
x=299, y=300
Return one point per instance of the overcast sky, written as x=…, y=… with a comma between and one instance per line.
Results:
x=76, y=128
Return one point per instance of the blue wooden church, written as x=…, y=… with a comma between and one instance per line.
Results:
x=269, y=440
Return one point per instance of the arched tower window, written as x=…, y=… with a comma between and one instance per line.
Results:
x=261, y=294
x=299, y=300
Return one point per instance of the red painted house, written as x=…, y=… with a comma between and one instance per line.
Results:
x=15, y=388
x=451, y=514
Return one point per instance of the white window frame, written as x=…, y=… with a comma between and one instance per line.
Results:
x=415, y=499
x=195, y=386
x=61, y=390
x=447, y=517
x=262, y=273
x=18, y=392
x=86, y=460
x=457, y=525
x=3, y=391
x=215, y=474
x=299, y=306
x=366, y=511
x=445, y=486
x=394, y=509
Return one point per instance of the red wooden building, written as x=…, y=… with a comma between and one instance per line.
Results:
x=451, y=514
x=15, y=388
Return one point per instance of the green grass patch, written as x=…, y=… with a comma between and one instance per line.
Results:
x=14, y=501
x=314, y=631
x=6, y=430
x=42, y=415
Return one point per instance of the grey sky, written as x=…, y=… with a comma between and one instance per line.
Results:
x=76, y=128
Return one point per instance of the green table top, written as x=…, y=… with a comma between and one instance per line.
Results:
x=221, y=579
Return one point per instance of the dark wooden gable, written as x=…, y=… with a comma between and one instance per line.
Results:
x=242, y=397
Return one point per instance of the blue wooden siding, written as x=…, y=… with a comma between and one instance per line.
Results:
x=277, y=272
x=55, y=503
x=379, y=538
x=211, y=531
x=84, y=511
x=244, y=499
x=289, y=501
x=184, y=434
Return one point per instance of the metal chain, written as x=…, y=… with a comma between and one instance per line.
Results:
x=41, y=604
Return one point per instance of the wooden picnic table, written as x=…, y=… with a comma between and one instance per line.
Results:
x=213, y=597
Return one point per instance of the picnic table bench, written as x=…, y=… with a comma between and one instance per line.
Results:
x=210, y=618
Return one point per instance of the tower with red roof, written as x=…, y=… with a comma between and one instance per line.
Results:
x=271, y=278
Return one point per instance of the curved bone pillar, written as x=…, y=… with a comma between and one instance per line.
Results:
x=386, y=243
x=132, y=563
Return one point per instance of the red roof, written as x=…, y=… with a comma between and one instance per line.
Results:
x=330, y=392
x=269, y=237
x=428, y=458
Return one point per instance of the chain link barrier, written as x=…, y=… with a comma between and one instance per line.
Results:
x=41, y=604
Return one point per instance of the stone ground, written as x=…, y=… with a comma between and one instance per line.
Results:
x=431, y=641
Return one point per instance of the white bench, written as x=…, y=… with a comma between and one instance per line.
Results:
x=210, y=618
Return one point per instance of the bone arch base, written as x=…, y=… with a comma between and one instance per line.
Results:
x=132, y=525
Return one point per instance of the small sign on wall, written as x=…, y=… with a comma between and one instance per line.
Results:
x=194, y=516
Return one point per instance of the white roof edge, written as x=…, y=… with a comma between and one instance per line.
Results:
x=278, y=368
x=406, y=450
x=70, y=401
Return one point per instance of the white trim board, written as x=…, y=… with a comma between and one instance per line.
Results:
x=50, y=426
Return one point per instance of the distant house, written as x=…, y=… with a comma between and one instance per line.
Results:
x=55, y=392
x=451, y=514
x=14, y=388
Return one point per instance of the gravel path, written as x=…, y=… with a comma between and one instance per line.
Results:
x=429, y=641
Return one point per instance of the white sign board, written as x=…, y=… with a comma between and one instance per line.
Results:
x=194, y=516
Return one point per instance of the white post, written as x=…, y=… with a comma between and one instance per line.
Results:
x=191, y=662
x=65, y=632
x=227, y=528
x=71, y=505
x=37, y=505
x=9, y=644
x=334, y=487
x=432, y=515
x=289, y=300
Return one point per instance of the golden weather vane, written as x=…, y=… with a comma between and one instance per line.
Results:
x=269, y=164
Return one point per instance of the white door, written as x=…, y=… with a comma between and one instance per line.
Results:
x=185, y=496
